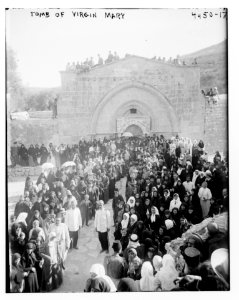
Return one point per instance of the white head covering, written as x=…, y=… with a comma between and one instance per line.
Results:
x=99, y=270
x=134, y=217
x=220, y=264
x=73, y=199
x=167, y=273
x=124, y=223
x=133, y=241
x=168, y=224
x=22, y=218
x=147, y=278
x=208, y=172
x=152, y=217
x=195, y=176
x=131, y=201
x=157, y=262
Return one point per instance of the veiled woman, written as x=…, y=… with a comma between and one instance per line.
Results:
x=97, y=271
x=168, y=273
x=17, y=274
x=29, y=262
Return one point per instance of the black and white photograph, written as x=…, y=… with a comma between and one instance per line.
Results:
x=117, y=150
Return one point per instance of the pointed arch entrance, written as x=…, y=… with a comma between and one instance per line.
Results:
x=153, y=105
x=135, y=130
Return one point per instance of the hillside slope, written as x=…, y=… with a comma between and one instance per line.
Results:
x=213, y=64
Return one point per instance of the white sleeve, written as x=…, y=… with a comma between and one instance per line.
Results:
x=80, y=219
x=43, y=235
x=108, y=218
x=171, y=206
x=200, y=193
x=30, y=234
x=66, y=219
x=209, y=194
x=96, y=219
x=67, y=237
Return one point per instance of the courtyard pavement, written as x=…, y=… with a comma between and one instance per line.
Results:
x=79, y=261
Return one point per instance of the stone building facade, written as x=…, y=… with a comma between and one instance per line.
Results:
x=136, y=95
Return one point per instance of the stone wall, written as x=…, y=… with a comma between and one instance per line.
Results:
x=23, y=172
x=216, y=126
x=46, y=114
x=34, y=131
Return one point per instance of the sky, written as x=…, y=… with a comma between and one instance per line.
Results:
x=44, y=45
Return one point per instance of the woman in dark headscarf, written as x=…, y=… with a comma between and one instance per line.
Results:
x=176, y=218
x=17, y=274
x=111, y=185
x=99, y=281
x=155, y=197
x=32, y=156
x=35, y=216
x=180, y=189
x=29, y=262
x=23, y=153
x=99, y=285
x=132, y=227
x=127, y=285
x=153, y=220
x=147, y=208
x=44, y=154
x=160, y=237
x=16, y=232
x=139, y=210
x=140, y=230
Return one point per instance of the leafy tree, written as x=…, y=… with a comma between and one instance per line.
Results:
x=15, y=89
x=41, y=100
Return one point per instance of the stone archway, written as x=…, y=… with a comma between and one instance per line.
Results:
x=155, y=105
x=135, y=130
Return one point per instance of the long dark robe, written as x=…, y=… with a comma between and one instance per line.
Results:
x=52, y=276
x=31, y=281
x=111, y=188
x=16, y=278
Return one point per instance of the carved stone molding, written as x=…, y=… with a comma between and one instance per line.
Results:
x=141, y=121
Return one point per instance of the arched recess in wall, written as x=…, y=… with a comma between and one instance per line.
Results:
x=155, y=104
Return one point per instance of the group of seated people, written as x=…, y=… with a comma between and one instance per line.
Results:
x=170, y=189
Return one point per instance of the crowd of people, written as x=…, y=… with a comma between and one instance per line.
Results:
x=88, y=64
x=211, y=95
x=168, y=227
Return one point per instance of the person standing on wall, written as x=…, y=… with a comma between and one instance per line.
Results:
x=102, y=226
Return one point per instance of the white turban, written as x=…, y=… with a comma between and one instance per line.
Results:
x=169, y=224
